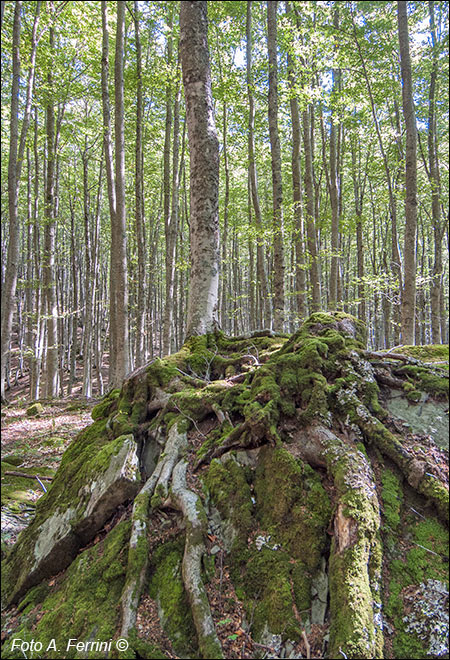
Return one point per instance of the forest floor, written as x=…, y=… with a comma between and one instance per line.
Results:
x=33, y=444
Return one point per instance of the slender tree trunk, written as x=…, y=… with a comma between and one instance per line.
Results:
x=433, y=173
x=262, y=287
x=109, y=163
x=395, y=264
x=277, y=200
x=224, y=269
x=334, y=192
x=48, y=262
x=15, y=161
x=169, y=253
x=140, y=351
x=119, y=302
x=300, y=283
x=314, y=275
x=204, y=160
x=409, y=252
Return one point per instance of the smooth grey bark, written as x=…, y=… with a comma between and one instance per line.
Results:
x=140, y=349
x=434, y=178
x=277, y=186
x=409, y=251
x=48, y=259
x=314, y=274
x=300, y=280
x=204, y=169
x=119, y=304
x=358, y=192
x=334, y=188
x=110, y=179
x=169, y=253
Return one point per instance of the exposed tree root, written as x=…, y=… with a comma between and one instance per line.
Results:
x=157, y=485
x=196, y=526
x=315, y=399
x=355, y=561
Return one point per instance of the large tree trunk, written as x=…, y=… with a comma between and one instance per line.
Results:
x=282, y=506
x=204, y=160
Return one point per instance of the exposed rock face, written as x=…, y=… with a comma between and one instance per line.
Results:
x=68, y=517
x=277, y=493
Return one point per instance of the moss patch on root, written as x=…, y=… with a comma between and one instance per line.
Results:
x=167, y=589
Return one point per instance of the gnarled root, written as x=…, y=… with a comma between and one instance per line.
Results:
x=138, y=552
x=416, y=472
x=355, y=561
x=196, y=523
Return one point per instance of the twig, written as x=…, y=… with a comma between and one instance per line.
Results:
x=13, y=473
x=307, y=644
x=419, y=514
x=191, y=420
x=427, y=549
x=43, y=487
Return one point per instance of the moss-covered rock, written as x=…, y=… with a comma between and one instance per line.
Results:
x=95, y=476
x=82, y=606
x=292, y=453
x=35, y=410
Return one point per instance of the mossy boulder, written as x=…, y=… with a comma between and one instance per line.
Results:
x=35, y=410
x=96, y=475
x=280, y=498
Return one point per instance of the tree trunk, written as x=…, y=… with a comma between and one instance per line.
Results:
x=204, y=161
x=262, y=287
x=277, y=188
x=314, y=276
x=119, y=301
x=168, y=230
x=15, y=161
x=48, y=260
x=109, y=163
x=433, y=174
x=300, y=280
x=140, y=348
x=409, y=251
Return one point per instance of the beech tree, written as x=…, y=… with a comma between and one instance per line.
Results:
x=409, y=278
x=204, y=169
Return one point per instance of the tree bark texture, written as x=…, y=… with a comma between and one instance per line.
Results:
x=409, y=251
x=277, y=186
x=119, y=303
x=204, y=169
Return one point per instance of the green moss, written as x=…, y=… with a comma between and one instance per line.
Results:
x=83, y=462
x=426, y=559
x=16, y=492
x=166, y=587
x=228, y=488
x=267, y=588
x=103, y=409
x=426, y=353
x=84, y=605
x=425, y=380
x=35, y=410
x=391, y=495
x=292, y=504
